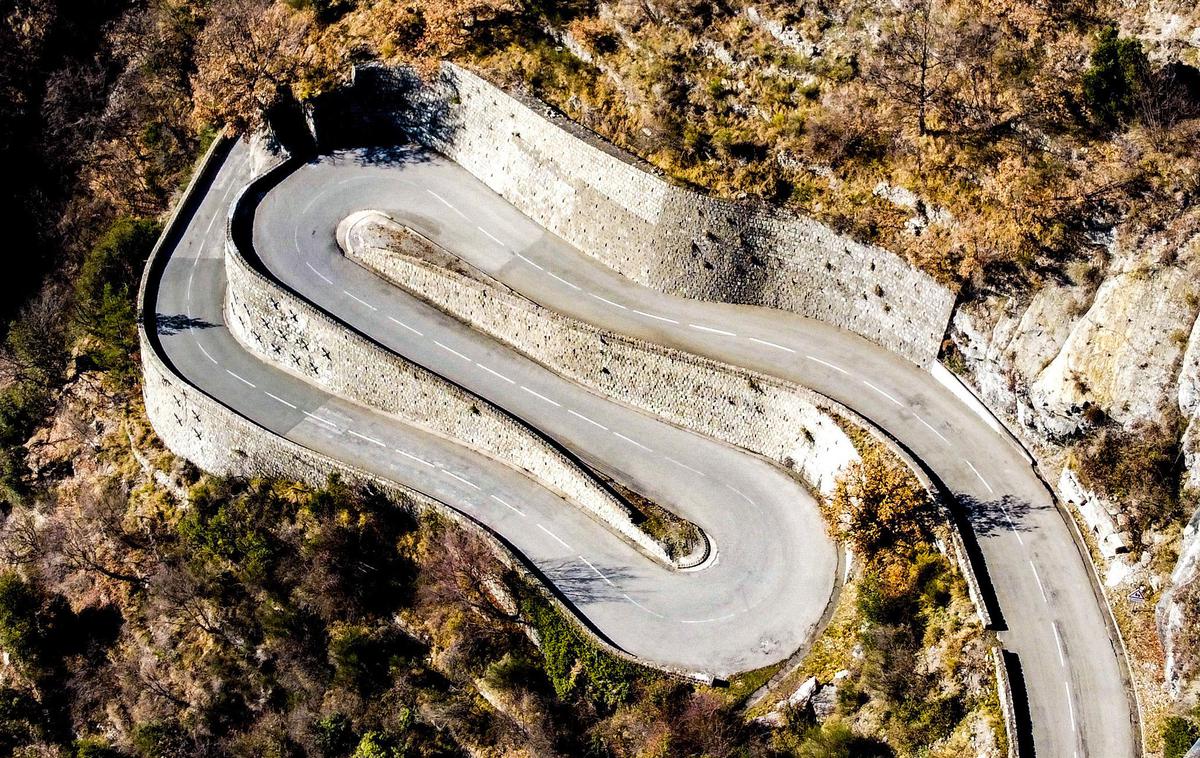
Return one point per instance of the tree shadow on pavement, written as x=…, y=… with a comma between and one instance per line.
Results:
x=169, y=324
x=988, y=517
x=581, y=584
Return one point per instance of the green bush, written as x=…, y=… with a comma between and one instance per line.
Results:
x=1179, y=734
x=105, y=291
x=32, y=624
x=1110, y=84
x=334, y=734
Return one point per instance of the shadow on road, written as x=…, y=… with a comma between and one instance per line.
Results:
x=988, y=517
x=583, y=585
x=1016, y=678
x=169, y=324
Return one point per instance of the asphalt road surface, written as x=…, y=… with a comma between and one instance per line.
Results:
x=775, y=568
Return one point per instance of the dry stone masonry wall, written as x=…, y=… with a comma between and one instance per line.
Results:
x=280, y=328
x=759, y=413
x=678, y=241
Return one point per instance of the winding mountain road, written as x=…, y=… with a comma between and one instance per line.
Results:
x=775, y=567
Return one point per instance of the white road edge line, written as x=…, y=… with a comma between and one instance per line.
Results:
x=278, y=399
x=635, y=443
x=406, y=326
x=560, y=540
x=585, y=418
x=416, y=458
x=512, y=508
x=771, y=344
x=655, y=316
x=985, y=483
x=704, y=328
x=541, y=397
x=606, y=300
x=598, y=571
x=881, y=392
x=1037, y=577
x=815, y=359
x=352, y=296
x=240, y=379
x=452, y=350
x=467, y=482
x=372, y=440
x=318, y=273
x=572, y=285
x=494, y=373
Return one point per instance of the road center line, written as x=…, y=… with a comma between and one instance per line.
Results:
x=406, y=326
x=814, y=359
x=372, y=440
x=359, y=299
x=446, y=203
x=494, y=373
x=572, y=285
x=1039, y=582
x=318, y=273
x=278, y=399
x=555, y=536
x=930, y=428
x=881, y=392
x=683, y=465
x=1062, y=658
x=240, y=379
x=606, y=300
x=512, y=508
x=491, y=236
x=585, y=418
x=1011, y=525
x=985, y=484
x=635, y=443
x=452, y=350
x=416, y=458
x=541, y=397
x=1070, y=705
x=206, y=355
x=644, y=608
x=726, y=617
x=326, y=422
x=598, y=571
x=655, y=316
x=743, y=495
x=704, y=328
x=467, y=482
x=531, y=263
x=771, y=344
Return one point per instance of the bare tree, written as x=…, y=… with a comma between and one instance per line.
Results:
x=913, y=64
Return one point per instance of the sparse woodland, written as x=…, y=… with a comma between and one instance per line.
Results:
x=995, y=145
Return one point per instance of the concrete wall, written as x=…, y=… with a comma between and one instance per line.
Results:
x=759, y=413
x=284, y=330
x=620, y=211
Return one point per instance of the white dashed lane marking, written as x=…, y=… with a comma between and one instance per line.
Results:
x=317, y=418
x=531, y=263
x=352, y=296
x=278, y=399
x=447, y=203
x=985, y=483
x=1038, y=578
x=644, y=608
x=540, y=396
x=206, y=355
x=507, y=505
x=560, y=540
x=406, y=326
x=1062, y=657
x=635, y=443
x=655, y=316
x=609, y=302
x=240, y=379
x=599, y=573
x=572, y=285
x=930, y=428
x=467, y=482
x=452, y=350
x=669, y=459
x=771, y=344
x=416, y=458
x=881, y=392
x=585, y=418
x=326, y=279
x=827, y=364
x=704, y=328
x=372, y=440
x=494, y=373
x=491, y=236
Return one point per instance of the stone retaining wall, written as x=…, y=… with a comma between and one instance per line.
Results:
x=282, y=329
x=759, y=413
x=623, y=213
